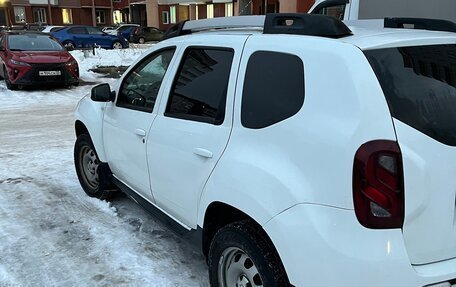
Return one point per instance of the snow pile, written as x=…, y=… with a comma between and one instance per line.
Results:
x=122, y=57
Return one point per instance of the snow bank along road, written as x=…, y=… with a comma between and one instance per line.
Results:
x=51, y=233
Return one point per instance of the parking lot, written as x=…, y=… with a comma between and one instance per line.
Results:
x=51, y=233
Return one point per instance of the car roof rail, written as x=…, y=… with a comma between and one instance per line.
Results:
x=421, y=23
x=276, y=23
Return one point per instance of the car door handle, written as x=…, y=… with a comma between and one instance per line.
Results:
x=140, y=132
x=202, y=152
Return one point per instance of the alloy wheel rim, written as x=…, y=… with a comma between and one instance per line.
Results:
x=237, y=269
x=117, y=45
x=88, y=164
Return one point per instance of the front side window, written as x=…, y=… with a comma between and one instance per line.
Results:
x=419, y=84
x=140, y=88
x=200, y=88
x=100, y=16
x=19, y=14
x=273, y=89
x=39, y=15
x=67, y=17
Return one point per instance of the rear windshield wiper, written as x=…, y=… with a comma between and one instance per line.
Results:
x=16, y=50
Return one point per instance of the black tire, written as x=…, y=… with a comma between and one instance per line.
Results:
x=88, y=168
x=8, y=83
x=141, y=40
x=117, y=45
x=69, y=45
x=244, y=245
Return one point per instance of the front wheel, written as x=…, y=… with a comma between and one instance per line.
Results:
x=141, y=40
x=87, y=164
x=69, y=45
x=117, y=45
x=8, y=83
x=241, y=255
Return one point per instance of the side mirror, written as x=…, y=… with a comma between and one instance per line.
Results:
x=102, y=93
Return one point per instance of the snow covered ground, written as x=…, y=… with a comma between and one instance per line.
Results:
x=51, y=233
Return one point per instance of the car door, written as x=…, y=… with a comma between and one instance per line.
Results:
x=193, y=126
x=98, y=38
x=79, y=36
x=127, y=121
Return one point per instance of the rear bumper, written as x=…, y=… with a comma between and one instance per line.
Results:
x=322, y=245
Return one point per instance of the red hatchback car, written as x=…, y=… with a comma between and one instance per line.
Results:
x=33, y=58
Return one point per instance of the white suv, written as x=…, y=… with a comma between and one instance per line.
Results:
x=299, y=151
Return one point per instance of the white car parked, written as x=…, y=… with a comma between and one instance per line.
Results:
x=299, y=151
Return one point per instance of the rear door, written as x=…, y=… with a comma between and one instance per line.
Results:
x=420, y=86
x=194, y=123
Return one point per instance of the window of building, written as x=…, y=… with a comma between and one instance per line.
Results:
x=140, y=88
x=67, y=16
x=271, y=95
x=210, y=10
x=172, y=14
x=100, y=16
x=165, y=17
x=39, y=15
x=117, y=16
x=19, y=14
x=199, y=91
x=228, y=9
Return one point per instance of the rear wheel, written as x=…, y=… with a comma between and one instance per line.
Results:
x=93, y=181
x=117, y=45
x=141, y=40
x=241, y=255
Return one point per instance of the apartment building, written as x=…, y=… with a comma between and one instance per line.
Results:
x=57, y=12
x=157, y=13
x=170, y=12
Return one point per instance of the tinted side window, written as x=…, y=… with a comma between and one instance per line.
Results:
x=336, y=11
x=199, y=90
x=273, y=89
x=140, y=87
x=94, y=31
x=77, y=30
x=419, y=84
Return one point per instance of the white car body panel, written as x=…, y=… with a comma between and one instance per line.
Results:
x=321, y=240
x=90, y=113
x=343, y=109
x=430, y=196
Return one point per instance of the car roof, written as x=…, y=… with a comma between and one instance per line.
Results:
x=365, y=34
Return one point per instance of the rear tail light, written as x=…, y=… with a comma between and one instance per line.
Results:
x=378, y=187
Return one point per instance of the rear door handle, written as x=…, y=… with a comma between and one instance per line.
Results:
x=202, y=152
x=140, y=132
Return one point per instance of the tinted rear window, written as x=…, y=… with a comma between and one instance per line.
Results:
x=419, y=84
